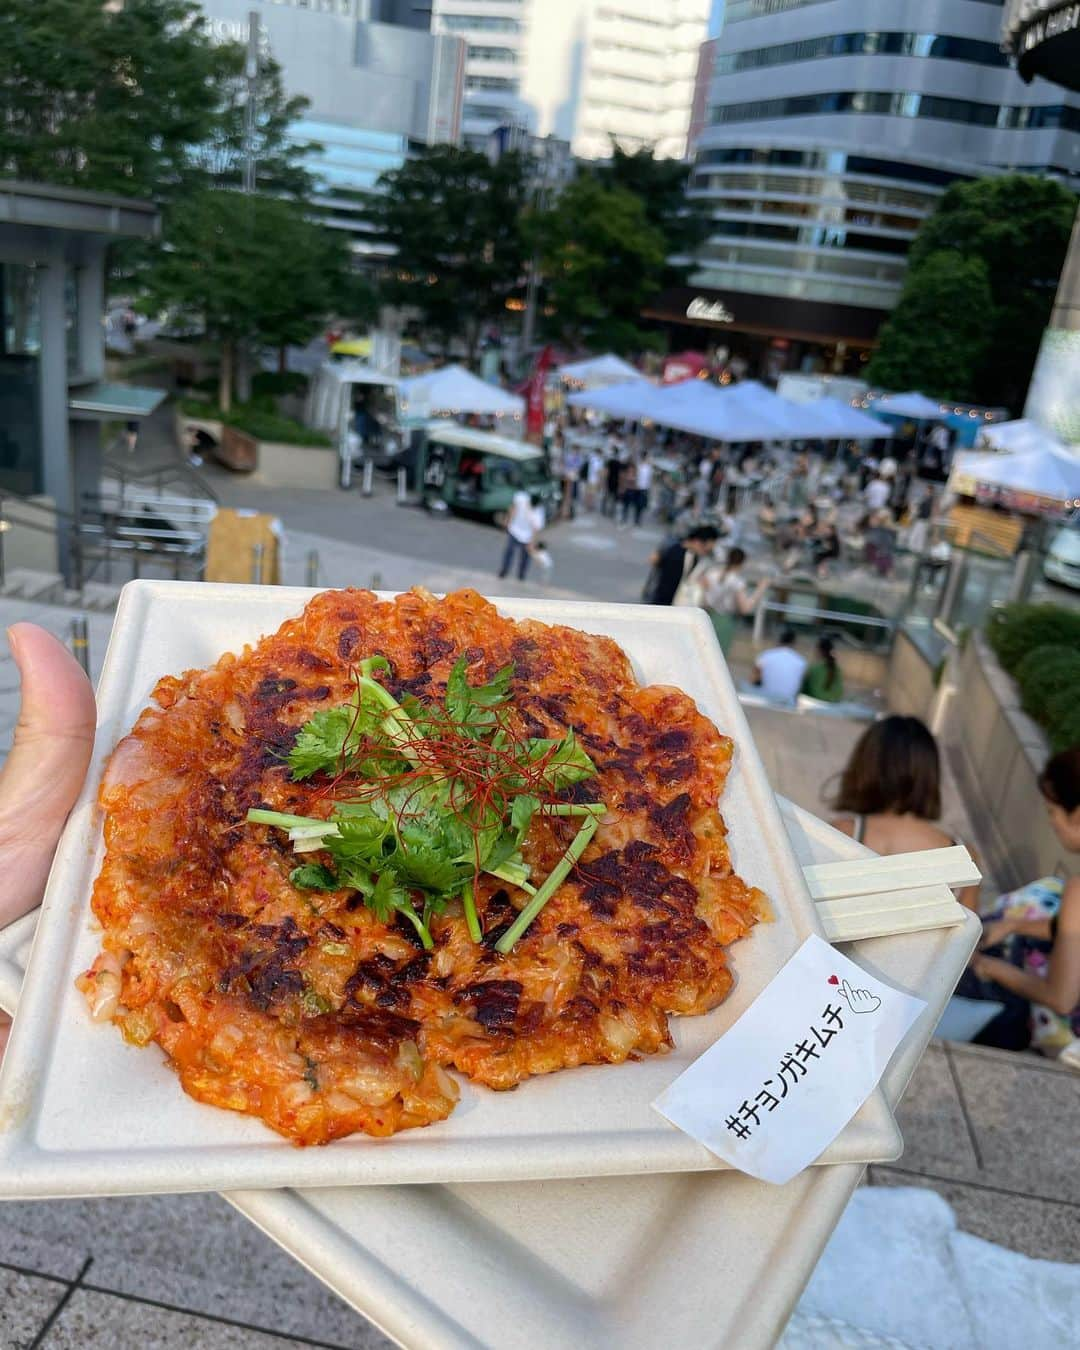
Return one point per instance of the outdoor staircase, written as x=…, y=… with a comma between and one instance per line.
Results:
x=47, y=588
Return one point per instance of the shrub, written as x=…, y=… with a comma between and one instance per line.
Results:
x=271, y=383
x=1015, y=630
x=259, y=419
x=1063, y=718
x=1045, y=675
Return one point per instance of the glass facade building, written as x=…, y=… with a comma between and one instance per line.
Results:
x=832, y=128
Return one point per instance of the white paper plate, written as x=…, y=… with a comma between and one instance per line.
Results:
x=82, y=1112
x=710, y=1260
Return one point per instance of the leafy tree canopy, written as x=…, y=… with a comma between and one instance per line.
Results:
x=452, y=217
x=1018, y=227
x=601, y=261
x=936, y=339
x=246, y=268
x=136, y=100
x=661, y=185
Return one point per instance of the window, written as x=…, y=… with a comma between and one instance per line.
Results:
x=490, y=82
x=737, y=10
x=856, y=44
x=900, y=105
x=479, y=23
x=507, y=54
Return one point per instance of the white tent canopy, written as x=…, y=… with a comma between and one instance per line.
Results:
x=914, y=405
x=1049, y=473
x=452, y=389
x=599, y=371
x=631, y=400
x=1017, y=436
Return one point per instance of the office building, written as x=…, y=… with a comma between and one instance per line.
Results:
x=583, y=71
x=377, y=81
x=833, y=128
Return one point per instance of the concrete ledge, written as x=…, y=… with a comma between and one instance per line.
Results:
x=299, y=466
x=910, y=684
x=997, y=753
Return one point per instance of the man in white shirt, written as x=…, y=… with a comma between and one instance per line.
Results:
x=524, y=524
x=643, y=473
x=779, y=671
x=876, y=493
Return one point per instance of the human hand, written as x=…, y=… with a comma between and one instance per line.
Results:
x=45, y=768
x=995, y=931
x=985, y=967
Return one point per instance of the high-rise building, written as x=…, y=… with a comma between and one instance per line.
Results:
x=584, y=71
x=833, y=127
x=376, y=80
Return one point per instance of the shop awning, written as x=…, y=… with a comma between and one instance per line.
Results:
x=121, y=401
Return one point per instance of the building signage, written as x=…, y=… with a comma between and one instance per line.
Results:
x=710, y=311
x=1062, y=21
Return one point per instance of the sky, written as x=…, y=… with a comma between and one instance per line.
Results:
x=717, y=18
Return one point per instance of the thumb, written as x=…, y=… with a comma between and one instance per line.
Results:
x=47, y=764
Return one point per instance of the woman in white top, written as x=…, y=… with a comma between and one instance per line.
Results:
x=524, y=524
x=724, y=593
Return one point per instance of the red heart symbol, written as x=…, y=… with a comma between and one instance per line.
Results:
x=833, y=979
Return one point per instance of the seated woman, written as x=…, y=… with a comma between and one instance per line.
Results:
x=823, y=679
x=890, y=792
x=1036, y=932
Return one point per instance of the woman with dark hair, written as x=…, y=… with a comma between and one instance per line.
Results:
x=824, y=680
x=890, y=792
x=1036, y=933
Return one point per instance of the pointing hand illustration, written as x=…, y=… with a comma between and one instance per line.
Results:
x=860, y=1000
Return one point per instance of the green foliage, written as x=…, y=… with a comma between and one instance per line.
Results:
x=601, y=261
x=247, y=269
x=1015, y=630
x=1063, y=722
x=257, y=419
x=275, y=383
x=1018, y=226
x=1045, y=675
x=936, y=338
x=452, y=217
x=660, y=184
x=136, y=100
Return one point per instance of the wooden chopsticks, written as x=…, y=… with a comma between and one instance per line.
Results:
x=876, y=897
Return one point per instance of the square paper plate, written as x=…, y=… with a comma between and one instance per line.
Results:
x=598, y=1263
x=81, y=1112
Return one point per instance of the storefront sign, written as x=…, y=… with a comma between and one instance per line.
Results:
x=1065, y=20
x=711, y=311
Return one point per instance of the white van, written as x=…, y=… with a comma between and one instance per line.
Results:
x=1063, y=556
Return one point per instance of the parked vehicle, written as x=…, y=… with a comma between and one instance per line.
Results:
x=478, y=472
x=1062, y=562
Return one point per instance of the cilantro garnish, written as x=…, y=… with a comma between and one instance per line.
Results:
x=431, y=796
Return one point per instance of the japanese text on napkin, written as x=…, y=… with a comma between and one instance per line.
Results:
x=779, y=1086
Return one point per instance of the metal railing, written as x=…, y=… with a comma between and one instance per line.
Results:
x=119, y=464
x=801, y=613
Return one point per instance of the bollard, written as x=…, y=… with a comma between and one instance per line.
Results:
x=312, y=571
x=368, y=478
x=1023, y=578
x=376, y=581
x=952, y=593
x=402, y=485
x=257, y=564
x=80, y=642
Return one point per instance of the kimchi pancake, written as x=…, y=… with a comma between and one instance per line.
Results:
x=309, y=1010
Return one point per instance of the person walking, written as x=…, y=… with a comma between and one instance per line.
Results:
x=612, y=472
x=726, y=597
x=643, y=476
x=525, y=523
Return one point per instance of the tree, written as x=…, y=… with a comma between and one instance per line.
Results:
x=1018, y=226
x=936, y=339
x=136, y=100
x=601, y=261
x=250, y=269
x=661, y=185
x=452, y=217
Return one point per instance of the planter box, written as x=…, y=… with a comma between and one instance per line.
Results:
x=297, y=466
x=997, y=753
x=237, y=450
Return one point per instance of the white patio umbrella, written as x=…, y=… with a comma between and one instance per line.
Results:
x=452, y=389
x=596, y=372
